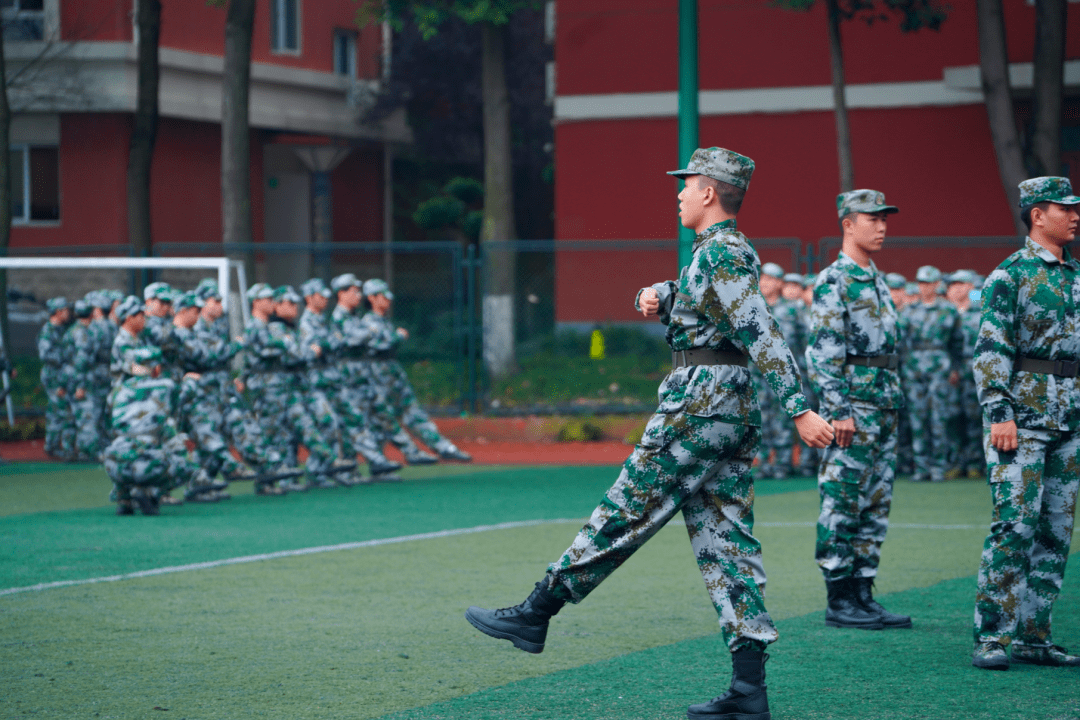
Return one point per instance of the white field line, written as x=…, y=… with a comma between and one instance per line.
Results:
x=382, y=541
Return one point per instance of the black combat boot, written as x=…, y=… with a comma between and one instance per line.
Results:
x=746, y=699
x=844, y=610
x=525, y=625
x=890, y=621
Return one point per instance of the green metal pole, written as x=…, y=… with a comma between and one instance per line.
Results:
x=688, y=105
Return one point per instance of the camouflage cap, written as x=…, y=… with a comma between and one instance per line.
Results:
x=895, y=281
x=188, y=300
x=1047, y=189
x=793, y=278
x=82, y=308
x=287, y=293
x=911, y=289
x=99, y=299
x=259, y=291
x=862, y=201
x=314, y=286
x=343, y=282
x=375, y=286
x=208, y=288
x=129, y=306
x=962, y=276
x=772, y=270
x=719, y=164
x=115, y=295
x=146, y=356
x=56, y=304
x=928, y=273
x=158, y=291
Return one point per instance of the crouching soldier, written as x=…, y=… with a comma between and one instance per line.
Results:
x=147, y=456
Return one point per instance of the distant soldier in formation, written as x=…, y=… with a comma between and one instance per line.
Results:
x=85, y=419
x=1027, y=361
x=853, y=361
x=55, y=359
x=933, y=348
x=795, y=324
x=905, y=461
x=966, y=427
x=774, y=454
x=396, y=404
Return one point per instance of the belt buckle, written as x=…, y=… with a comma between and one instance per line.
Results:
x=1066, y=368
x=894, y=362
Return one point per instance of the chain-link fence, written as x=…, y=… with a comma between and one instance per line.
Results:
x=517, y=327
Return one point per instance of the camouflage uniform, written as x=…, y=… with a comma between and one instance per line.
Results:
x=933, y=349
x=970, y=458
x=778, y=435
x=1031, y=310
x=55, y=359
x=102, y=332
x=81, y=374
x=697, y=449
x=148, y=454
x=809, y=458
x=852, y=359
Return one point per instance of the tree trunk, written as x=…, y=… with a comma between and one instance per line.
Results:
x=498, y=224
x=5, y=192
x=1049, y=86
x=144, y=129
x=843, y=130
x=235, y=138
x=994, y=65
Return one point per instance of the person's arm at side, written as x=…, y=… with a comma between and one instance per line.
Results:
x=995, y=353
x=826, y=354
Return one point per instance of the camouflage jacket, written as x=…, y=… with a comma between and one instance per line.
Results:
x=80, y=371
x=202, y=349
x=717, y=305
x=143, y=410
x=933, y=338
x=123, y=344
x=1030, y=308
x=383, y=338
x=103, y=331
x=324, y=372
x=790, y=317
x=55, y=355
x=349, y=326
x=273, y=354
x=969, y=330
x=853, y=314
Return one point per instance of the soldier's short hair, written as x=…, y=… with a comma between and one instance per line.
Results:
x=731, y=197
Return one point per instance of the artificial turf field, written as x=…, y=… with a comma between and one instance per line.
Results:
x=375, y=629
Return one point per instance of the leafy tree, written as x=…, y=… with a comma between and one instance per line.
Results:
x=914, y=15
x=454, y=210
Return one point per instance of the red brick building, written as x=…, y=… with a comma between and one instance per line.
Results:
x=919, y=131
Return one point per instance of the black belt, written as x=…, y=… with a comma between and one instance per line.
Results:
x=705, y=356
x=924, y=346
x=1061, y=368
x=891, y=362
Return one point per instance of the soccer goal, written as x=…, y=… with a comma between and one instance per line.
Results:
x=221, y=265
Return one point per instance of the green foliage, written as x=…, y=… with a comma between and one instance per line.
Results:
x=439, y=212
x=472, y=223
x=466, y=189
x=914, y=14
x=429, y=15
x=25, y=429
x=580, y=431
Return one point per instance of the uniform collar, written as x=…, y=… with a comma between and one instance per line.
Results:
x=712, y=231
x=856, y=270
x=1037, y=250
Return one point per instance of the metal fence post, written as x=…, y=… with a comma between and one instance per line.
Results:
x=472, y=265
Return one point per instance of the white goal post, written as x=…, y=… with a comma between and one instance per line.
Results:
x=221, y=265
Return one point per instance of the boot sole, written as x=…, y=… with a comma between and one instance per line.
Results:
x=728, y=716
x=897, y=626
x=852, y=626
x=519, y=643
x=991, y=665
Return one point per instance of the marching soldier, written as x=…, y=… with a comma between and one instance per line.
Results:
x=853, y=362
x=933, y=344
x=697, y=449
x=1027, y=360
x=395, y=398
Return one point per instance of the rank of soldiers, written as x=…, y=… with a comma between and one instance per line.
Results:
x=158, y=390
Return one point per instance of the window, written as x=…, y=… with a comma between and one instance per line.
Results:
x=345, y=53
x=23, y=19
x=35, y=183
x=285, y=26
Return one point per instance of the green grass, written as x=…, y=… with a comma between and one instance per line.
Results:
x=378, y=631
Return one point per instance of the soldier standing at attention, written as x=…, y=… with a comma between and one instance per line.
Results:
x=396, y=402
x=696, y=452
x=905, y=462
x=132, y=318
x=969, y=456
x=793, y=317
x=84, y=409
x=1027, y=360
x=853, y=363
x=933, y=344
x=775, y=430
x=54, y=362
x=102, y=331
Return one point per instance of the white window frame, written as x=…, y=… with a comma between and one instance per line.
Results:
x=349, y=37
x=24, y=219
x=277, y=23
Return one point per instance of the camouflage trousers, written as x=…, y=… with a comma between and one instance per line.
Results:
x=59, y=426
x=142, y=462
x=856, y=486
x=928, y=395
x=702, y=467
x=203, y=419
x=1023, y=561
x=286, y=423
x=353, y=402
x=967, y=427
x=777, y=436
x=86, y=416
x=905, y=459
x=395, y=405
x=241, y=428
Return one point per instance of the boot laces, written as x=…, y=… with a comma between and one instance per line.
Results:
x=510, y=611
